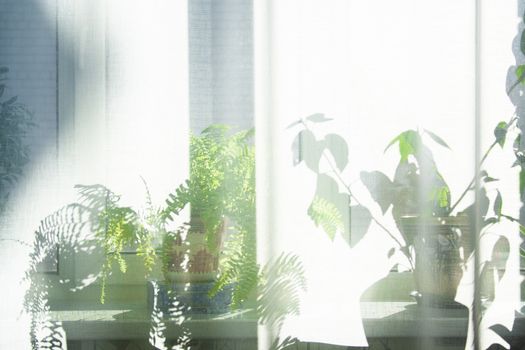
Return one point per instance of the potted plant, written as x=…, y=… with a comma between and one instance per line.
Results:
x=215, y=251
x=433, y=235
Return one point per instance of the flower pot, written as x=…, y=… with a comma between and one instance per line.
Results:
x=189, y=257
x=439, y=244
x=174, y=298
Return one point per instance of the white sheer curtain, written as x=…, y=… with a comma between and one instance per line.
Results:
x=377, y=68
x=123, y=115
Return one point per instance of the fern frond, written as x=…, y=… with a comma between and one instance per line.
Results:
x=281, y=283
x=327, y=215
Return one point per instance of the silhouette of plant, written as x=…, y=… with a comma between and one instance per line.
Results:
x=117, y=227
x=61, y=229
x=15, y=123
x=330, y=208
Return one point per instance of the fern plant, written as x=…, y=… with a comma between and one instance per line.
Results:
x=221, y=187
x=116, y=227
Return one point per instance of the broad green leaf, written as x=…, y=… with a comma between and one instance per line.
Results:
x=380, y=187
x=436, y=138
x=408, y=141
x=327, y=187
x=500, y=252
x=498, y=204
x=310, y=149
x=443, y=195
x=405, y=149
x=408, y=144
x=522, y=182
x=484, y=176
x=510, y=218
x=318, y=118
x=339, y=149
x=490, y=179
x=361, y=220
x=522, y=43
x=500, y=132
x=520, y=70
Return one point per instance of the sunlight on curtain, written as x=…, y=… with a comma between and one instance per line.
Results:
x=377, y=68
x=123, y=97
x=365, y=166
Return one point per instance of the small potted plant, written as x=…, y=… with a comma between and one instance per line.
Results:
x=434, y=236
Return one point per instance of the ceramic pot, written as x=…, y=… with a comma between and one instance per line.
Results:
x=189, y=257
x=440, y=245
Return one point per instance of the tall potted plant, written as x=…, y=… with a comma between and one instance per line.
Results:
x=433, y=235
x=217, y=246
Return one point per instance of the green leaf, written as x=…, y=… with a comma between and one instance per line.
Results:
x=380, y=187
x=520, y=70
x=325, y=214
x=484, y=176
x=409, y=142
x=500, y=132
x=443, y=195
x=318, y=118
x=490, y=221
x=522, y=43
x=498, y=204
x=310, y=149
x=339, y=149
x=361, y=220
x=436, y=138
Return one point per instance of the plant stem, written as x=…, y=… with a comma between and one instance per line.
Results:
x=511, y=121
x=337, y=173
x=473, y=179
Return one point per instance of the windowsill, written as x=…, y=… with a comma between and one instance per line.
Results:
x=380, y=319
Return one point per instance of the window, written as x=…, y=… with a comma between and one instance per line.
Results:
x=378, y=203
